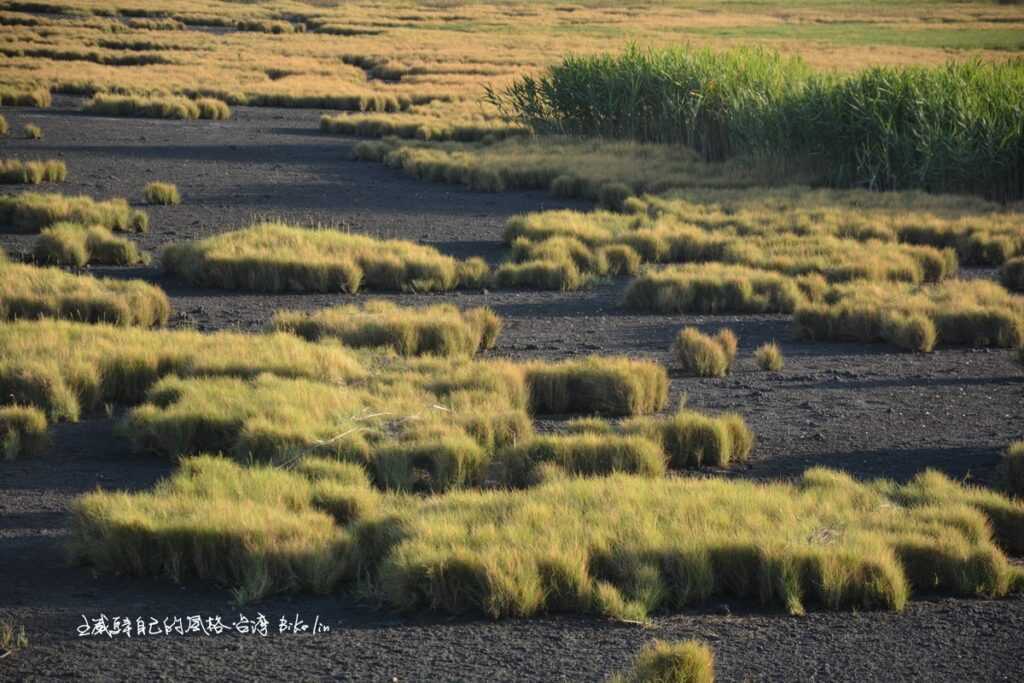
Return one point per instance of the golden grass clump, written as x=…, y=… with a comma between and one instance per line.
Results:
x=68, y=368
x=161, y=193
x=541, y=274
x=955, y=313
x=31, y=212
x=585, y=454
x=718, y=288
x=1012, y=274
x=28, y=292
x=156, y=107
x=769, y=357
x=32, y=131
x=597, y=386
x=274, y=257
x=418, y=126
x=71, y=244
x=441, y=330
x=1013, y=462
x=4, y=128
x=26, y=96
x=14, y=172
x=692, y=439
x=703, y=355
x=22, y=431
x=623, y=547
x=685, y=661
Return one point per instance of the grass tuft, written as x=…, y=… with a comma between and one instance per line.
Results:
x=71, y=244
x=769, y=357
x=172, y=107
x=22, y=431
x=703, y=355
x=686, y=661
x=441, y=330
x=13, y=172
x=586, y=454
x=597, y=386
x=161, y=193
x=31, y=212
x=33, y=132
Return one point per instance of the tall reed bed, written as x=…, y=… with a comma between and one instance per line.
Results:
x=953, y=128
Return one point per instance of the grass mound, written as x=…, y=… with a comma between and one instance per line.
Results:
x=692, y=439
x=28, y=292
x=172, y=107
x=22, y=431
x=24, y=96
x=162, y=193
x=441, y=330
x=957, y=313
x=686, y=661
x=703, y=355
x=14, y=172
x=586, y=454
x=71, y=244
x=623, y=546
x=769, y=357
x=597, y=385
x=31, y=212
x=274, y=257
x=68, y=368
x=717, y=288
x=32, y=132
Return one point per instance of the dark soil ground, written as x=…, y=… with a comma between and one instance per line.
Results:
x=867, y=409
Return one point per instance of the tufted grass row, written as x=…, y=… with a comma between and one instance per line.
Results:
x=156, y=107
x=15, y=172
x=623, y=546
x=275, y=257
x=441, y=330
x=72, y=244
x=412, y=126
x=24, y=96
x=30, y=293
x=30, y=212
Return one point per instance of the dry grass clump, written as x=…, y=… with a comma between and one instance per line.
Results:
x=12, y=639
x=71, y=244
x=161, y=193
x=956, y=313
x=1012, y=274
x=13, y=172
x=703, y=355
x=29, y=292
x=586, y=454
x=623, y=546
x=441, y=330
x=32, y=131
x=274, y=257
x=68, y=368
x=597, y=385
x=685, y=661
x=541, y=274
x=26, y=96
x=718, y=288
x=420, y=127
x=31, y=212
x=692, y=439
x=4, y=128
x=22, y=431
x=769, y=357
x=105, y=104
x=1013, y=462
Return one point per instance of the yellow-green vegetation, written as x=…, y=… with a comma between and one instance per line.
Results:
x=685, y=661
x=1012, y=274
x=597, y=385
x=693, y=439
x=68, y=369
x=623, y=546
x=586, y=454
x=157, y=107
x=73, y=244
x=958, y=312
x=703, y=355
x=161, y=193
x=22, y=431
x=12, y=638
x=441, y=330
x=418, y=126
x=14, y=171
x=1013, y=462
x=769, y=357
x=719, y=288
x=29, y=292
x=3, y=126
x=24, y=96
x=32, y=131
x=660, y=237
x=31, y=212
x=275, y=257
